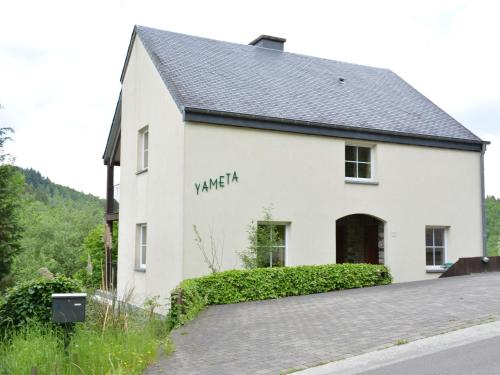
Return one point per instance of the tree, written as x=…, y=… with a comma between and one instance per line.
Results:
x=55, y=221
x=11, y=186
x=493, y=225
x=93, y=255
x=263, y=237
x=4, y=138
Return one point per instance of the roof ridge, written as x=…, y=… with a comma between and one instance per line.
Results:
x=252, y=46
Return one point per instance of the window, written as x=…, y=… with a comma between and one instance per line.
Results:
x=435, y=247
x=271, y=243
x=143, y=244
x=358, y=162
x=143, y=161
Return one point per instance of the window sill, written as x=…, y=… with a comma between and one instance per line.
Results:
x=361, y=181
x=435, y=270
x=143, y=270
x=141, y=171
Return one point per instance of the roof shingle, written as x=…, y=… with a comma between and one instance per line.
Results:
x=247, y=80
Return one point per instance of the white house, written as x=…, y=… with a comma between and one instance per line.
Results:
x=357, y=165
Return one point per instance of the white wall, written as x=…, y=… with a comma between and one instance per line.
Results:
x=153, y=197
x=303, y=178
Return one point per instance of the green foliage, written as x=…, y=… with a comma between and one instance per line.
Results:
x=186, y=302
x=34, y=346
x=4, y=138
x=114, y=339
x=11, y=183
x=56, y=220
x=266, y=283
x=39, y=349
x=261, y=239
x=31, y=301
x=493, y=225
x=93, y=252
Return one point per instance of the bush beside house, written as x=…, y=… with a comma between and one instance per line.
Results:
x=113, y=339
x=234, y=286
x=32, y=301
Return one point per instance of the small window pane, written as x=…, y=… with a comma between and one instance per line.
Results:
x=146, y=140
x=280, y=231
x=429, y=258
x=263, y=234
x=350, y=153
x=144, y=235
x=428, y=237
x=278, y=257
x=350, y=169
x=263, y=257
x=145, y=159
x=143, y=255
x=364, y=154
x=438, y=256
x=438, y=237
x=364, y=170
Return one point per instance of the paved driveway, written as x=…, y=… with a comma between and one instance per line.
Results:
x=288, y=334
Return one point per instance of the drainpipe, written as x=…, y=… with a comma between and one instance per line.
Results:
x=483, y=208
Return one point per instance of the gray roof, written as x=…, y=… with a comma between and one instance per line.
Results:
x=228, y=78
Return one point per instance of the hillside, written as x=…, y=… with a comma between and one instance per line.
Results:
x=56, y=219
x=493, y=220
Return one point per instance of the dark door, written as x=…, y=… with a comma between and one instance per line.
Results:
x=371, y=244
x=340, y=243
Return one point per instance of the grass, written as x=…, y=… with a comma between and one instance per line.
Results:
x=401, y=342
x=111, y=341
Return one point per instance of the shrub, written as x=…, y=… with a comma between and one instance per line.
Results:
x=234, y=286
x=31, y=301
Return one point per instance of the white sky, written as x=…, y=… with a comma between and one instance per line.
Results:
x=60, y=63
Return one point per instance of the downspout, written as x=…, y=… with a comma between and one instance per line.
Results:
x=483, y=207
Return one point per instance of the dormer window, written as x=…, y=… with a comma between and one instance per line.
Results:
x=358, y=162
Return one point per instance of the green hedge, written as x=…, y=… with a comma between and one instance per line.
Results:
x=234, y=286
x=32, y=301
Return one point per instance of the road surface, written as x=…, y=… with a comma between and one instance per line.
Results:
x=470, y=351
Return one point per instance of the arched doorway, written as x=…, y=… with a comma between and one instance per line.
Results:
x=360, y=239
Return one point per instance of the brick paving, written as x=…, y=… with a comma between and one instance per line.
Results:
x=287, y=334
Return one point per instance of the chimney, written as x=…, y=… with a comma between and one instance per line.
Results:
x=268, y=41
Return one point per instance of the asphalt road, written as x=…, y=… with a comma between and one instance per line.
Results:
x=471, y=351
x=478, y=358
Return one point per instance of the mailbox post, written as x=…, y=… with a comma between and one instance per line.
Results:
x=67, y=309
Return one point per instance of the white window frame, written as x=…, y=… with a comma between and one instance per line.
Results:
x=371, y=147
x=445, y=247
x=285, y=247
x=143, y=149
x=142, y=246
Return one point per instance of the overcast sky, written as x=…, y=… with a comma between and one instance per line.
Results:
x=60, y=63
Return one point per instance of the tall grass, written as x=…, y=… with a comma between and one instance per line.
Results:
x=113, y=340
x=34, y=348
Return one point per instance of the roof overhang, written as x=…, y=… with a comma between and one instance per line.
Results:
x=303, y=127
x=129, y=52
x=112, y=151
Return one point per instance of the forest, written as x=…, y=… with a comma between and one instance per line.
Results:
x=53, y=227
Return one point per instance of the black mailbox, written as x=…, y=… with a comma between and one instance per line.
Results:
x=68, y=308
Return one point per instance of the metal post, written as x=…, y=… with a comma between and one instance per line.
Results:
x=483, y=208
